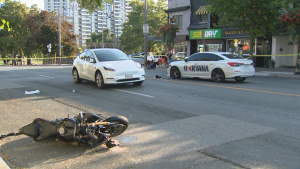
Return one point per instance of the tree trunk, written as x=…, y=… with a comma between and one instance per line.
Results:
x=28, y=60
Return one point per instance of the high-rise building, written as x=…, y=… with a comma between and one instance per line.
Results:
x=111, y=17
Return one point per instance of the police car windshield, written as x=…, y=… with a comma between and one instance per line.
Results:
x=232, y=56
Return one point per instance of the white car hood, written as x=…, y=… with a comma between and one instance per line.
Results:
x=124, y=65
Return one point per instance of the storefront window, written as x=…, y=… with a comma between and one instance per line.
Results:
x=180, y=46
x=210, y=48
x=233, y=45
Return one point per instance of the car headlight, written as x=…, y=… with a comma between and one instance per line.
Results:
x=109, y=69
x=139, y=66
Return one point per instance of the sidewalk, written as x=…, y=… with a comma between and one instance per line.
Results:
x=276, y=72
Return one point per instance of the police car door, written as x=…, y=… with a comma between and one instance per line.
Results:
x=210, y=61
x=194, y=66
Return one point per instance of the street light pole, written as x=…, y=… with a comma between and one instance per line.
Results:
x=59, y=43
x=102, y=32
x=114, y=22
x=145, y=36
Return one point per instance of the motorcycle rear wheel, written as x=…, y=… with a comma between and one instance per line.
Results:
x=121, y=124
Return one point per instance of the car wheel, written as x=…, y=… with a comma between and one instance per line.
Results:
x=175, y=73
x=218, y=75
x=76, y=76
x=239, y=79
x=99, y=80
x=138, y=83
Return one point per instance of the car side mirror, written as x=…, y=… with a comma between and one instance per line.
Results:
x=92, y=60
x=185, y=59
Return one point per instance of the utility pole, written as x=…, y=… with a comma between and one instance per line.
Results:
x=102, y=31
x=114, y=22
x=59, y=43
x=118, y=38
x=145, y=35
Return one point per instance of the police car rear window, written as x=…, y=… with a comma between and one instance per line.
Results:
x=232, y=56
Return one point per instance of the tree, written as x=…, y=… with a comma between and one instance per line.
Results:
x=96, y=39
x=91, y=5
x=48, y=33
x=34, y=20
x=133, y=29
x=291, y=19
x=13, y=41
x=256, y=17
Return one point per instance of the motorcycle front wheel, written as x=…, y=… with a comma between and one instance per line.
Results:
x=119, y=126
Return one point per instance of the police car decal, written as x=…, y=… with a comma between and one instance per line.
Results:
x=198, y=68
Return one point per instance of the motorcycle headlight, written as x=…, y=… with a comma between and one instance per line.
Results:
x=109, y=69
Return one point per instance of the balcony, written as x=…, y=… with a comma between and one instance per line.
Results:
x=85, y=22
x=85, y=19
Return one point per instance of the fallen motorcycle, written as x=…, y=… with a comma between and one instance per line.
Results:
x=86, y=128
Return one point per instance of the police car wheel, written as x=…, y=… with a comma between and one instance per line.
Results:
x=218, y=75
x=240, y=79
x=175, y=73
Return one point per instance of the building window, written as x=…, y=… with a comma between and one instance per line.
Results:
x=178, y=21
x=203, y=18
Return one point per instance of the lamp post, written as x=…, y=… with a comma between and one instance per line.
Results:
x=59, y=43
x=102, y=33
x=145, y=35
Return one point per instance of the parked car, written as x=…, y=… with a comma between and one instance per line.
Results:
x=150, y=57
x=107, y=66
x=213, y=65
x=139, y=59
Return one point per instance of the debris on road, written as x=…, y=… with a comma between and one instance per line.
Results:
x=32, y=92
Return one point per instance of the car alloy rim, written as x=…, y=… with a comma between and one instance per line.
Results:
x=175, y=72
x=217, y=75
x=75, y=75
x=98, y=80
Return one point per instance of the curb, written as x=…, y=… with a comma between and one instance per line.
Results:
x=284, y=75
x=3, y=164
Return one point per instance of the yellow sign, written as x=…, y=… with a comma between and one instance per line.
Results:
x=236, y=40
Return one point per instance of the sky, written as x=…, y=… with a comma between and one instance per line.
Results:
x=40, y=3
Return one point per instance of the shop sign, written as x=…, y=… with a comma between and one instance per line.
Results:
x=234, y=33
x=209, y=34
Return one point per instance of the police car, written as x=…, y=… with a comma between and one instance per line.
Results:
x=213, y=65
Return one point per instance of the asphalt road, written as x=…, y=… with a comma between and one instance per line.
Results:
x=187, y=123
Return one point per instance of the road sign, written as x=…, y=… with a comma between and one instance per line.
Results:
x=49, y=50
x=146, y=29
x=150, y=37
x=49, y=46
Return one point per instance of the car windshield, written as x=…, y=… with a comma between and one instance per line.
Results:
x=110, y=55
x=232, y=56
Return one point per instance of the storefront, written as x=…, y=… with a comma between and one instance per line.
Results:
x=181, y=44
x=234, y=37
x=208, y=40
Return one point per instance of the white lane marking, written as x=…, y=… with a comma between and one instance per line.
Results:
x=46, y=76
x=133, y=93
